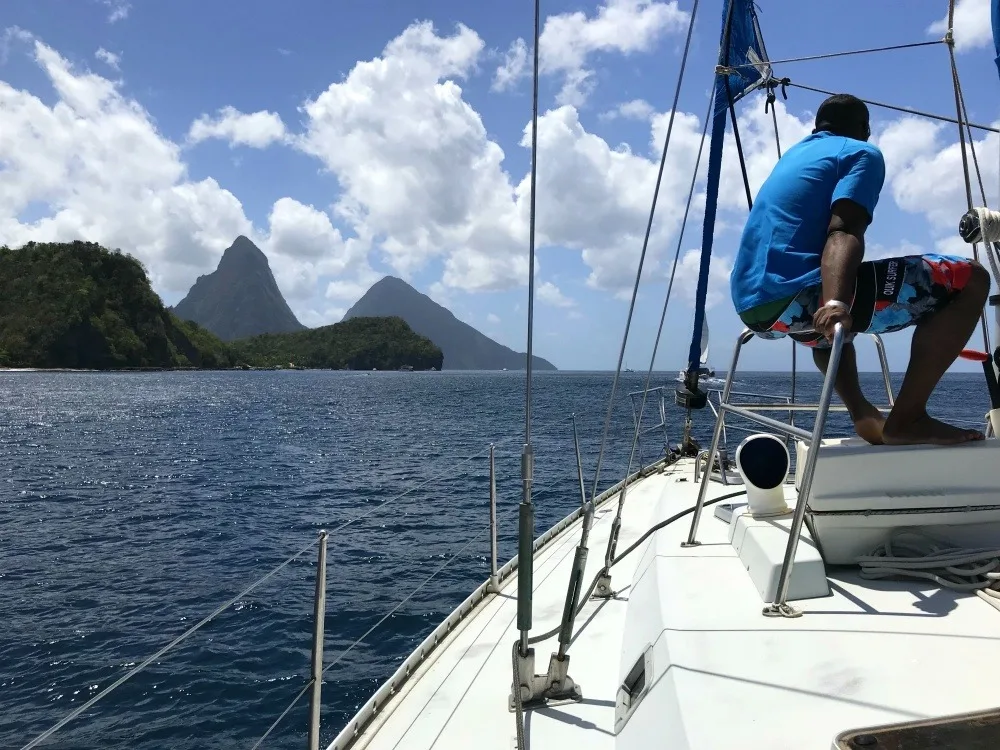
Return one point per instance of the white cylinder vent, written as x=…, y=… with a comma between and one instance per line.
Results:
x=763, y=462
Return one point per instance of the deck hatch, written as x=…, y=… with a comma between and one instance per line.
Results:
x=972, y=731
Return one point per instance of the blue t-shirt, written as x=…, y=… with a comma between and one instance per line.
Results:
x=786, y=231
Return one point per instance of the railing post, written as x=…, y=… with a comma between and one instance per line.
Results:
x=494, y=586
x=884, y=364
x=319, y=624
x=713, y=451
x=780, y=606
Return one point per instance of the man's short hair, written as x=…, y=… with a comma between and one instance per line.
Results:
x=843, y=114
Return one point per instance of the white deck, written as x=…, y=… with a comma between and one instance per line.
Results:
x=871, y=653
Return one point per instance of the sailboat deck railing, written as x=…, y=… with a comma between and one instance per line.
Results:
x=660, y=398
x=496, y=578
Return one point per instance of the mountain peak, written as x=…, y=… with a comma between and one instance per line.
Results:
x=243, y=249
x=390, y=282
x=464, y=347
x=240, y=298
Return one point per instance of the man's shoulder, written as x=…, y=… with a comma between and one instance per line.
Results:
x=855, y=148
x=823, y=144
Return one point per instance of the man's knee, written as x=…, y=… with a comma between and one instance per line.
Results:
x=978, y=285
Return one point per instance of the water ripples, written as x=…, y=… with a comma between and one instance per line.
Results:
x=131, y=505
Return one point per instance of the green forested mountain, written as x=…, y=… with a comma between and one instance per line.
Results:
x=464, y=347
x=79, y=305
x=358, y=344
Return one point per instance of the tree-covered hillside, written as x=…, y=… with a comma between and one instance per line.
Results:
x=78, y=305
x=357, y=344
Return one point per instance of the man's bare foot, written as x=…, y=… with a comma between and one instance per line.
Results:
x=869, y=425
x=925, y=430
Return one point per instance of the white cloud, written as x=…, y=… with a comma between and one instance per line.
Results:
x=924, y=170
x=108, y=58
x=955, y=245
x=972, y=25
x=492, y=319
x=759, y=148
x=569, y=40
x=258, y=130
x=904, y=140
x=421, y=181
x=98, y=169
x=686, y=281
x=95, y=160
x=597, y=198
x=442, y=295
x=302, y=231
x=118, y=10
x=353, y=290
x=878, y=251
x=420, y=177
x=304, y=246
x=550, y=294
x=513, y=68
x=637, y=109
x=315, y=318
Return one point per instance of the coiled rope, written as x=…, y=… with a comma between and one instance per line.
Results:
x=913, y=554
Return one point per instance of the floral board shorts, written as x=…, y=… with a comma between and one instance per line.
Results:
x=890, y=294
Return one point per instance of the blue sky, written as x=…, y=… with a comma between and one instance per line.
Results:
x=350, y=141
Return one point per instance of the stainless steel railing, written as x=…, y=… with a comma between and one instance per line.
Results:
x=318, y=666
x=660, y=397
x=753, y=412
x=724, y=449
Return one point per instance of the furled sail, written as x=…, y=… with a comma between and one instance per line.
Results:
x=743, y=67
x=704, y=343
x=996, y=31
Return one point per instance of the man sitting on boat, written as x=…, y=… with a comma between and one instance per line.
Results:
x=799, y=272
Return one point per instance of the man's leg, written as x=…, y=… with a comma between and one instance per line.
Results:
x=868, y=420
x=937, y=341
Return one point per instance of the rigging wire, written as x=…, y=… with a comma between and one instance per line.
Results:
x=255, y=584
x=182, y=637
x=609, y=553
x=274, y=724
x=847, y=53
x=416, y=589
x=989, y=247
x=772, y=101
x=645, y=246
x=711, y=206
x=526, y=519
x=965, y=157
x=905, y=110
x=732, y=114
x=593, y=585
x=531, y=238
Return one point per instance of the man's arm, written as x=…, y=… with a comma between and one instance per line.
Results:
x=844, y=250
x=852, y=206
x=842, y=254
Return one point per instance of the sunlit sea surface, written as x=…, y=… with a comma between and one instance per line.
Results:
x=131, y=505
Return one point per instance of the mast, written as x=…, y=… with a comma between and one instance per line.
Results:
x=742, y=67
x=526, y=511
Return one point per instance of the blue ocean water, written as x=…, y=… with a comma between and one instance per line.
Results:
x=132, y=504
